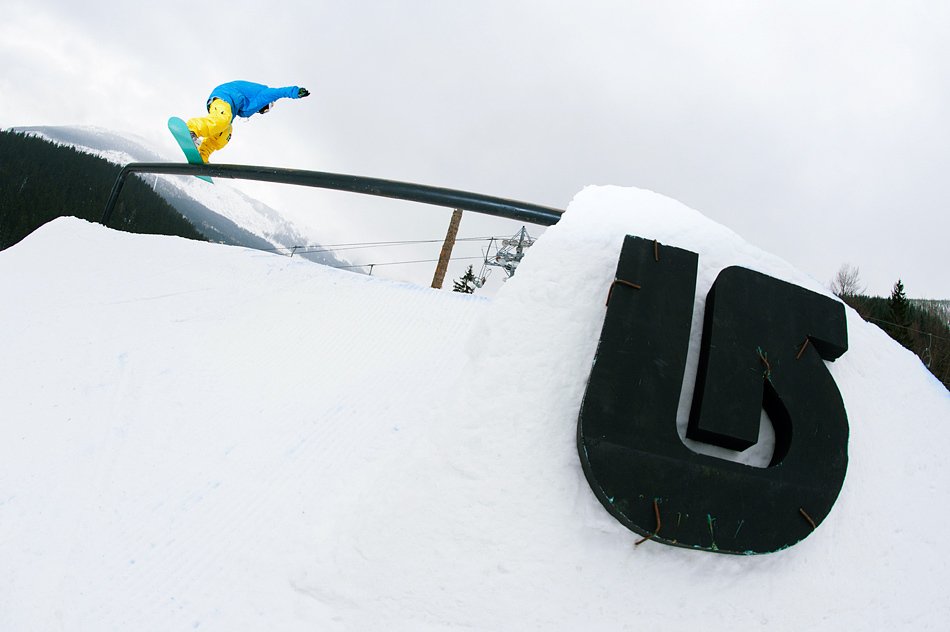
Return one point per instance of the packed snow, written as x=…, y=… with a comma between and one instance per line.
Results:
x=197, y=436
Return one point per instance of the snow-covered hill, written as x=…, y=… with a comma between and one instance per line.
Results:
x=220, y=212
x=213, y=438
x=942, y=307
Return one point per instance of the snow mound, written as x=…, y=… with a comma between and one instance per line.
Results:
x=201, y=436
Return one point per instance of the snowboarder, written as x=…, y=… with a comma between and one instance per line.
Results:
x=235, y=98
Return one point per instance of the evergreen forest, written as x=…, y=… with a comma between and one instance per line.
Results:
x=920, y=326
x=40, y=181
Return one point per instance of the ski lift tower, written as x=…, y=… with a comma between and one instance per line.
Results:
x=508, y=253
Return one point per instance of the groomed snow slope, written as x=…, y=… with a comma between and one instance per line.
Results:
x=204, y=437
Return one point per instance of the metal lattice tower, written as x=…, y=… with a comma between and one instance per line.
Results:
x=505, y=253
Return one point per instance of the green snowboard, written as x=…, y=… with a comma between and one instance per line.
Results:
x=179, y=130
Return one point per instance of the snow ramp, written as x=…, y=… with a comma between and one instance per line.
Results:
x=204, y=437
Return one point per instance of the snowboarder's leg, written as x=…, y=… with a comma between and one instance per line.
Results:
x=218, y=120
x=214, y=143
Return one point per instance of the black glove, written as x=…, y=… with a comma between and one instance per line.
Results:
x=303, y=92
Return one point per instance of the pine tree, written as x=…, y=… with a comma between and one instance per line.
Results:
x=899, y=307
x=465, y=283
x=898, y=303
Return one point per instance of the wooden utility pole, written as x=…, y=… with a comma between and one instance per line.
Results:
x=447, y=246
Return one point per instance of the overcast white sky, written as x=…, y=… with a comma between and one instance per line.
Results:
x=817, y=130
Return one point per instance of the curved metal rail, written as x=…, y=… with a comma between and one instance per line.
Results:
x=499, y=207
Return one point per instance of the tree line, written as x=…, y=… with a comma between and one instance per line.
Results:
x=921, y=326
x=41, y=180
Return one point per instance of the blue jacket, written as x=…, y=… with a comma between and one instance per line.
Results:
x=247, y=98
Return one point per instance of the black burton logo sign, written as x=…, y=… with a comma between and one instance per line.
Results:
x=763, y=346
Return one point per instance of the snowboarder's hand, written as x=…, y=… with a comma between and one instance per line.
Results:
x=303, y=92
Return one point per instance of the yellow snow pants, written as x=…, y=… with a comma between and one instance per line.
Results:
x=214, y=129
